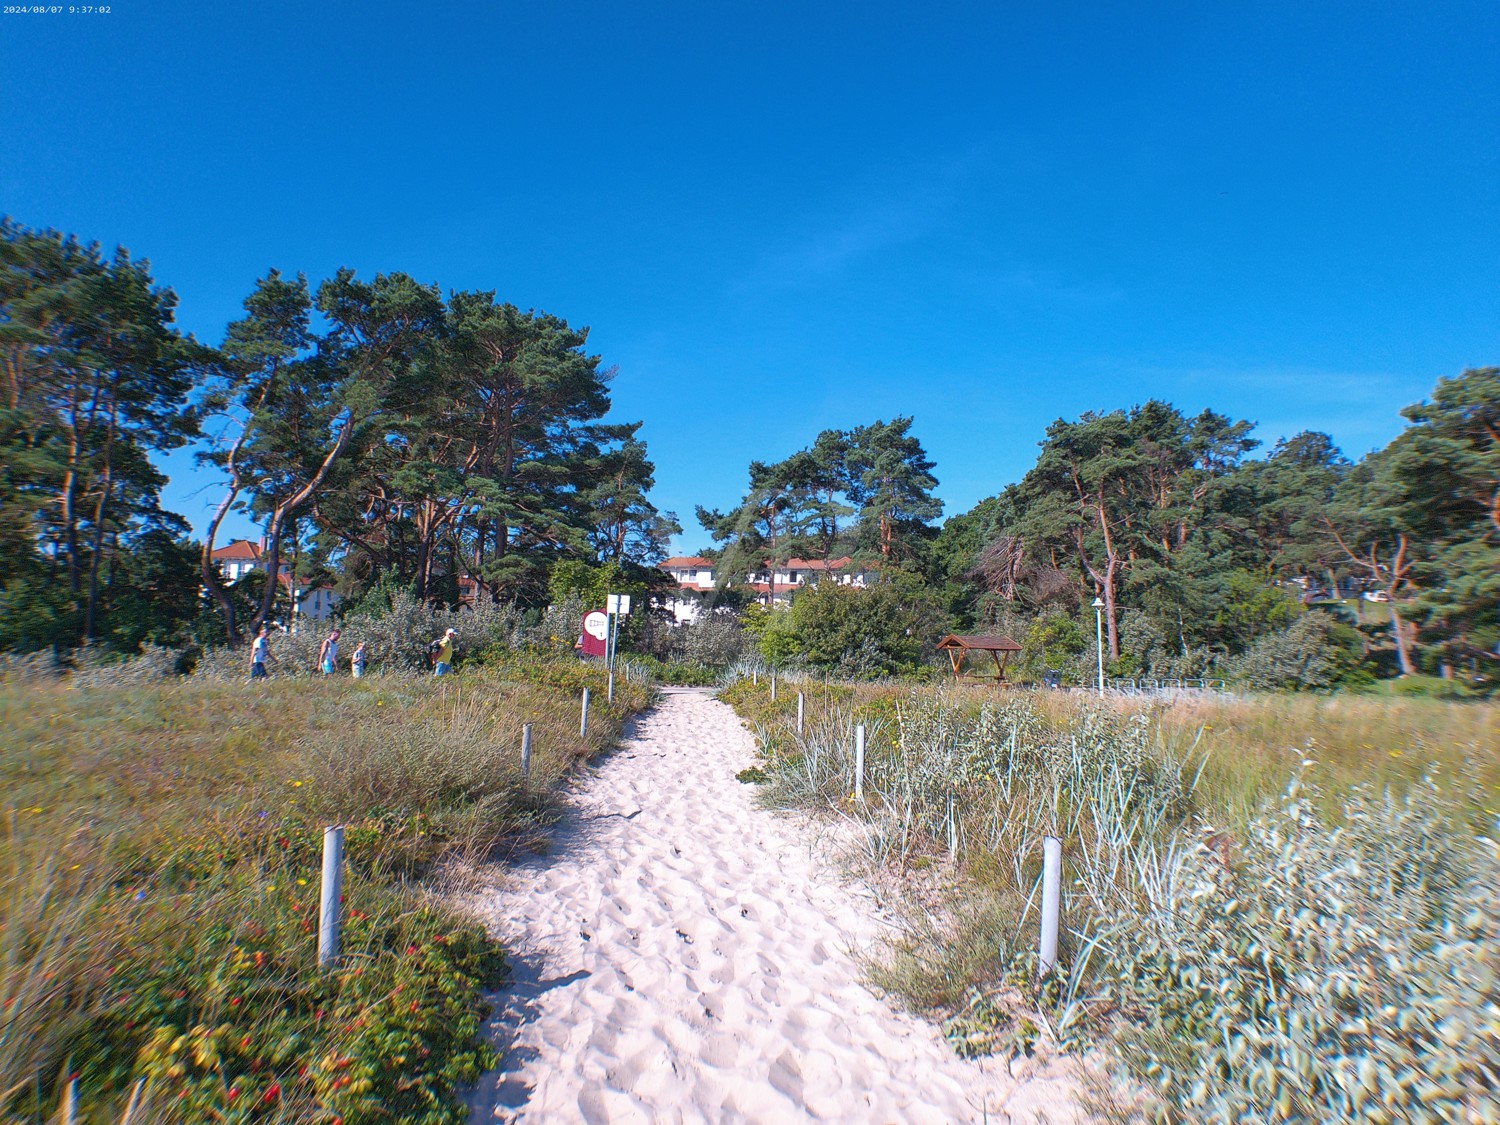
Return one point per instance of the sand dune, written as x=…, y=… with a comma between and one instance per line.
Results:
x=681, y=957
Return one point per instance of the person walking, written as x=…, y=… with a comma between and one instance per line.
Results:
x=328, y=654
x=260, y=652
x=357, y=661
x=442, y=650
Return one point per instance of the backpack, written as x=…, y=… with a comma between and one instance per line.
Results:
x=433, y=649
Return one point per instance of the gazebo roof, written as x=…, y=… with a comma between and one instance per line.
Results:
x=995, y=643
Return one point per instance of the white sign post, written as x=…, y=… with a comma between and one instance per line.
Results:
x=616, y=606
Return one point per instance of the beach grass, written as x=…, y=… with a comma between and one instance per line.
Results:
x=162, y=848
x=1248, y=883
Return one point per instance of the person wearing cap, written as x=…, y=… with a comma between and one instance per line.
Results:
x=443, y=647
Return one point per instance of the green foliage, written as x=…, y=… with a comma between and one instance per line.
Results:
x=1314, y=652
x=1324, y=957
x=160, y=879
x=795, y=506
x=1313, y=973
x=884, y=629
x=1055, y=640
x=715, y=640
x=97, y=378
x=1249, y=606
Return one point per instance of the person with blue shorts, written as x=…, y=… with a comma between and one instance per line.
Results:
x=328, y=655
x=442, y=650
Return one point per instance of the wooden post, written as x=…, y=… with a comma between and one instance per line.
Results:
x=952, y=830
x=134, y=1103
x=611, y=697
x=859, y=762
x=583, y=718
x=525, y=753
x=773, y=687
x=333, y=892
x=799, y=712
x=1051, y=902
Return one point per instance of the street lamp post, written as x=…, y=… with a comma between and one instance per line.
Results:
x=1099, y=638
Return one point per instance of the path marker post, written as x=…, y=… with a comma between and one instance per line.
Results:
x=525, y=753
x=859, y=762
x=1051, y=903
x=583, y=718
x=773, y=687
x=611, y=697
x=799, y=712
x=331, y=901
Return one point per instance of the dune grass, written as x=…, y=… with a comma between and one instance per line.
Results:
x=162, y=847
x=1246, y=744
x=1275, y=909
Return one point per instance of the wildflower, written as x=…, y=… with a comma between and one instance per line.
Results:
x=272, y=1093
x=140, y=896
x=1394, y=753
x=301, y=882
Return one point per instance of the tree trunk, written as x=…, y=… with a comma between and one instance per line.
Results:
x=91, y=611
x=278, y=520
x=1405, y=633
x=206, y=571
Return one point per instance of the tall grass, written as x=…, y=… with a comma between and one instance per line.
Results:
x=161, y=846
x=1253, y=948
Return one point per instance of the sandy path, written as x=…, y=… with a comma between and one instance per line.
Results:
x=680, y=957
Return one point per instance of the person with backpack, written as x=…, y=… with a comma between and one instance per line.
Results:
x=440, y=651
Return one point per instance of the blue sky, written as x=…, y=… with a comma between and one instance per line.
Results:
x=778, y=218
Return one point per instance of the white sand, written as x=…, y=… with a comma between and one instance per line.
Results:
x=680, y=957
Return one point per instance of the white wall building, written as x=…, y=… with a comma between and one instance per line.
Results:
x=696, y=578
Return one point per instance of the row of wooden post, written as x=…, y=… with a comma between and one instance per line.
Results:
x=1051, y=851
x=329, y=912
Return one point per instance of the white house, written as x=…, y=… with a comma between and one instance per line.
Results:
x=312, y=602
x=238, y=558
x=695, y=580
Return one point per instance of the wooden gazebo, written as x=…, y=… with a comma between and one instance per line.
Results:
x=1000, y=647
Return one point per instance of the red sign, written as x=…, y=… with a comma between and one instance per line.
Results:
x=594, y=640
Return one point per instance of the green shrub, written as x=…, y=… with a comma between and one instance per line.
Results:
x=1312, y=973
x=857, y=633
x=1304, y=655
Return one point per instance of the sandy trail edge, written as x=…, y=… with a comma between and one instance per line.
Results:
x=679, y=956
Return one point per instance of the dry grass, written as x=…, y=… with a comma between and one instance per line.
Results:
x=161, y=848
x=1275, y=908
x=1250, y=743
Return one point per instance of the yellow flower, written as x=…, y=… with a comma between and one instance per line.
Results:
x=1394, y=753
x=301, y=882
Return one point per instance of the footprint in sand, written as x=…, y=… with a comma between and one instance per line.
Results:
x=776, y=1027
